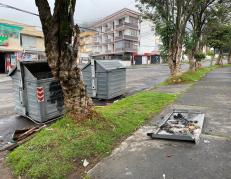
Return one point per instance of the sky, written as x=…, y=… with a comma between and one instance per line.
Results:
x=86, y=10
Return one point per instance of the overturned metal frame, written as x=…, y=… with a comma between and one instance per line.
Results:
x=191, y=116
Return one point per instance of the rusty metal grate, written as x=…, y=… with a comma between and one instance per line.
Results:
x=180, y=125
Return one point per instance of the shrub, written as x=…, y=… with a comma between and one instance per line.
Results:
x=199, y=56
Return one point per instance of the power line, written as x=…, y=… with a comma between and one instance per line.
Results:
x=15, y=8
x=31, y=13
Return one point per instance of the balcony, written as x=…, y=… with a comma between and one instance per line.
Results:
x=127, y=37
x=108, y=29
x=126, y=49
x=108, y=40
x=127, y=24
x=119, y=37
x=108, y=51
x=96, y=43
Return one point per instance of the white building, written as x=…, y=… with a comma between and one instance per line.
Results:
x=117, y=35
x=149, y=41
x=122, y=35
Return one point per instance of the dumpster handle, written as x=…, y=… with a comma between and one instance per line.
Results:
x=21, y=95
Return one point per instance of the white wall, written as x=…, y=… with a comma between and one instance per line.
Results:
x=149, y=41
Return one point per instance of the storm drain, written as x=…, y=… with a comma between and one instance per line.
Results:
x=180, y=125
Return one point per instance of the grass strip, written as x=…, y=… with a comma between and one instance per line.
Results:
x=189, y=76
x=55, y=151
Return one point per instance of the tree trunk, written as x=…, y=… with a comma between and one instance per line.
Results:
x=77, y=103
x=174, y=60
x=229, y=57
x=219, y=59
x=191, y=60
x=211, y=61
x=61, y=44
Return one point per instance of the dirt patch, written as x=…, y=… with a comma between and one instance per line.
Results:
x=4, y=171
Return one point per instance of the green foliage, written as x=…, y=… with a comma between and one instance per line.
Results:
x=219, y=36
x=59, y=148
x=189, y=77
x=169, y=19
x=199, y=56
x=218, y=29
x=190, y=42
x=166, y=31
x=210, y=53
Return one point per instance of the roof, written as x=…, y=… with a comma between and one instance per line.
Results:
x=108, y=65
x=27, y=29
x=118, y=13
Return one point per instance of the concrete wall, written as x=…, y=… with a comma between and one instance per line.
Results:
x=149, y=41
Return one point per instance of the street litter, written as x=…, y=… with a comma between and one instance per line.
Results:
x=85, y=163
x=163, y=176
x=206, y=141
x=21, y=136
x=180, y=125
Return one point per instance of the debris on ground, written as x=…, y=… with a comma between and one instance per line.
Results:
x=85, y=163
x=206, y=141
x=21, y=136
x=163, y=176
x=180, y=125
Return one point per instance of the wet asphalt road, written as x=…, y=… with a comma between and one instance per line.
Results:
x=138, y=78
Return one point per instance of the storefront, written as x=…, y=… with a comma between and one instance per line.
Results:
x=7, y=60
x=9, y=46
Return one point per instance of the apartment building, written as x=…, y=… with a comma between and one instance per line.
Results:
x=85, y=46
x=86, y=40
x=117, y=35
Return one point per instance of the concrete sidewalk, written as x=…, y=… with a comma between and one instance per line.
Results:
x=138, y=157
x=4, y=78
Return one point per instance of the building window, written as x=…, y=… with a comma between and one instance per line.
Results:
x=121, y=21
x=133, y=33
x=133, y=20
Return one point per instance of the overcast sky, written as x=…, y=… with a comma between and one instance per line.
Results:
x=86, y=10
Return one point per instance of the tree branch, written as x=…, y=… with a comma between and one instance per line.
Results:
x=44, y=15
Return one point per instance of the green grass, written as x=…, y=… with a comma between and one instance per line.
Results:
x=55, y=151
x=227, y=65
x=189, y=77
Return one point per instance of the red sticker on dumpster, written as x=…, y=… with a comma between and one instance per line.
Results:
x=40, y=94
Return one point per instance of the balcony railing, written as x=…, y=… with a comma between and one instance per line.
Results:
x=119, y=37
x=126, y=49
x=108, y=51
x=128, y=37
x=108, y=29
x=108, y=40
x=127, y=24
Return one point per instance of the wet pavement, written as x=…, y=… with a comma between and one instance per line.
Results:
x=140, y=157
x=9, y=121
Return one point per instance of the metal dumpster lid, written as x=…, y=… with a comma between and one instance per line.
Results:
x=12, y=71
x=108, y=65
x=14, y=68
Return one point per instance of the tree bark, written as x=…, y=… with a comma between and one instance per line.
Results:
x=219, y=59
x=174, y=59
x=61, y=45
x=229, y=57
